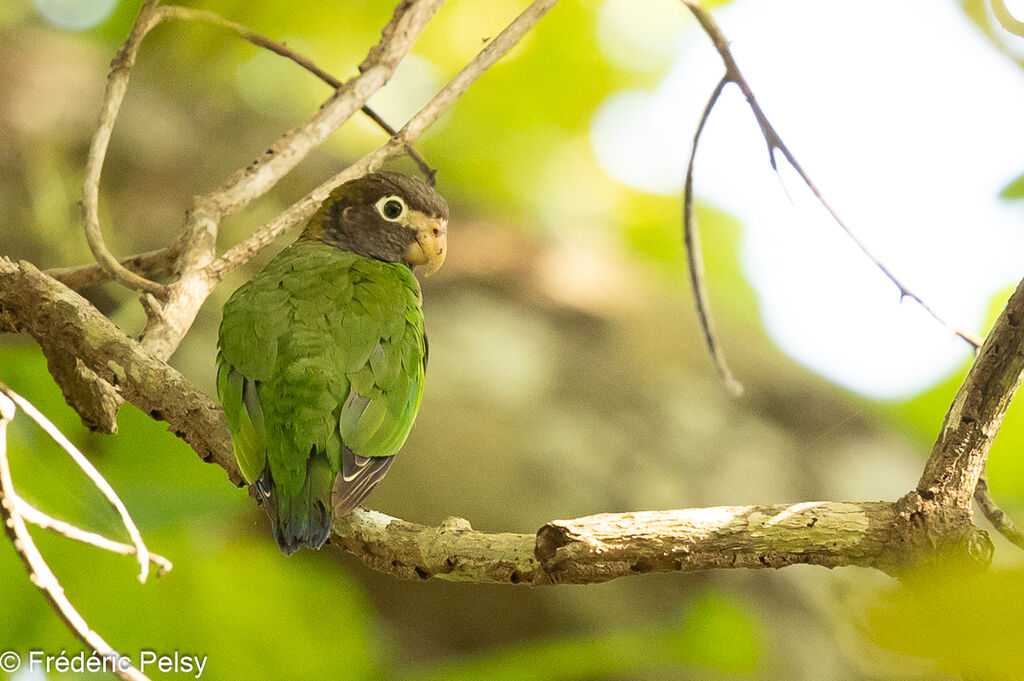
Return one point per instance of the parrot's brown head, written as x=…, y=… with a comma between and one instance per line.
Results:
x=387, y=216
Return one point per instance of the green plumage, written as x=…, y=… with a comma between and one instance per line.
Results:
x=323, y=350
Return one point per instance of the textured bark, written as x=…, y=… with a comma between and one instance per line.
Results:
x=602, y=547
x=96, y=401
x=891, y=536
x=53, y=314
x=958, y=458
x=453, y=551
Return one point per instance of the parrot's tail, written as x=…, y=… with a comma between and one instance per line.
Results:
x=303, y=519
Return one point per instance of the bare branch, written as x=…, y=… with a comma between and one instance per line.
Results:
x=95, y=401
x=90, y=471
x=117, y=86
x=995, y=515
x=453, y=551
x=775, y=144
x=610, y=545
x=187, y=13
x=424, y=118
x=149, y=263
x=694, y=257
x=958, y=457
x=888, y=536
x=33, y=515
x=1006, y=19
x=39, y=571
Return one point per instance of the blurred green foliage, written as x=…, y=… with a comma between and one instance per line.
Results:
x=967, y=624
x=1013, y=190
x=554, y=390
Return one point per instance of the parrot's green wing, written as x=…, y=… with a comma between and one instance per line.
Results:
x=320, y=371
x=245, y=416
x=386, y=367
x=385, y=373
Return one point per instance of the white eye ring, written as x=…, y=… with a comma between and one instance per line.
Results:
x=386, y=207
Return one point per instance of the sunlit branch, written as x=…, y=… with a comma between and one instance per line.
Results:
x=1006, y=19
x=958, y=457
x=34, y=516
x=39, y=571
x=141, y=552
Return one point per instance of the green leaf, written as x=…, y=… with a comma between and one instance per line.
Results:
x=1014, y=190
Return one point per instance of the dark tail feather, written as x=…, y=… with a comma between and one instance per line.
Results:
x=304, y=519
x=359, y=475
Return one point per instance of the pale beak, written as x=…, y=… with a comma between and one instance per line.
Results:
x=431, y=245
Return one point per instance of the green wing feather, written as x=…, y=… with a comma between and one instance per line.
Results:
x=321, y=352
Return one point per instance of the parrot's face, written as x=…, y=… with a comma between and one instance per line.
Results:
x=387, y=216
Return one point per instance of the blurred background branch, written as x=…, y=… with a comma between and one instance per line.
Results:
x=15, y=512
x=1006, y=18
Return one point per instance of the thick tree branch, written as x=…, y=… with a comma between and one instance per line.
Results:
x=973, y=421
x=50, y=312
x=890, y=536
x=611, y=545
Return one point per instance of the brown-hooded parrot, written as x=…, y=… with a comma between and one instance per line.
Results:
x=322, y=354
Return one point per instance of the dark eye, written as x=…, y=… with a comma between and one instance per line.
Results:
x=391, y=207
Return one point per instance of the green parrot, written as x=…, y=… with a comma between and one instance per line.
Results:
x=322, y=354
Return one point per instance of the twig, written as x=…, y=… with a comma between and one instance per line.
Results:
x=39, y=571
x=775, y=144
x=994, y=514
x=90, y=471
x=117, y=85
x=423, y=119
x=159, y=261
x=694, y=259
x=1006, y=19
x=187, y=13
x=33, y=515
